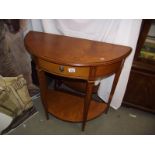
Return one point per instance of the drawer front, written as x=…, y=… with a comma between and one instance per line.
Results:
x=108, y=69
x=64, y=70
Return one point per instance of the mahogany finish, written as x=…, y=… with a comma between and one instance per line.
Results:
x=69, y=107
x=140, y=92
x=78, y=59
x=81, y=72
x=66, y=50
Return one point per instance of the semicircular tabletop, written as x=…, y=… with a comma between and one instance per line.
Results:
x=73, y=51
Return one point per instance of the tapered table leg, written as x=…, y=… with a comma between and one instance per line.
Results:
x=116, y=78
x=43, y=89
x=89, y=89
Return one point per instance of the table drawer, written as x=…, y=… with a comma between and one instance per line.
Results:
x=64, y=70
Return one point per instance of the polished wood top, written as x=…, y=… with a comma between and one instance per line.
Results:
x=73, y=51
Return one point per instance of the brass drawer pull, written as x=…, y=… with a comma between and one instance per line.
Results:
x=61, y=68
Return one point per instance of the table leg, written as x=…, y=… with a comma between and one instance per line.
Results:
x=116, y=78
x=43, y=89
x=89, y=89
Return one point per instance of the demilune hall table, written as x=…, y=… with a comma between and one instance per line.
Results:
x=79, y=59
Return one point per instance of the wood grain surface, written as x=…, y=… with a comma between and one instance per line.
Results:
x=73, y=51
x=89, y=60
x=68, y=107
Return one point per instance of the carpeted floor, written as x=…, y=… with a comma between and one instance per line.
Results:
x=125, y=121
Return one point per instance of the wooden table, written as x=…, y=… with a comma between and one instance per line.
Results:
x=76, y=59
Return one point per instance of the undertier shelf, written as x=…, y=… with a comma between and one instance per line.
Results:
x=69, y=107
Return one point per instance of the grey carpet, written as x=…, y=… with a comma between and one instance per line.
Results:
x=124, y=121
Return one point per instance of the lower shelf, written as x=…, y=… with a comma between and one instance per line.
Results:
x=69, y=107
